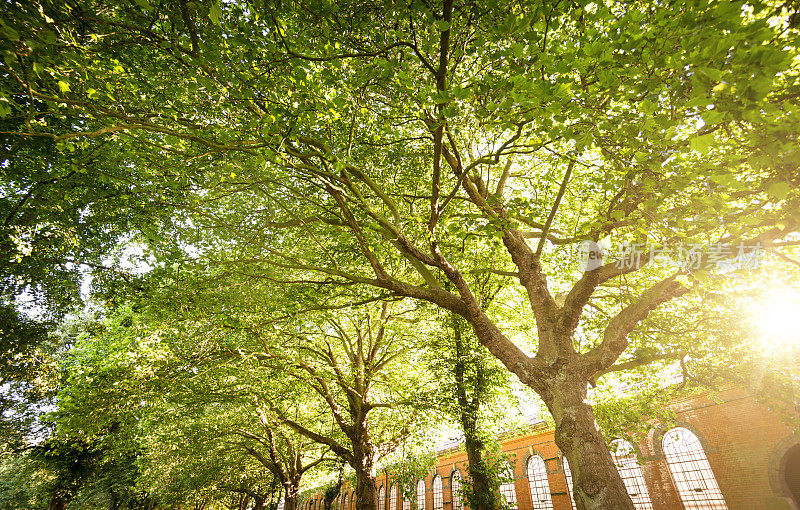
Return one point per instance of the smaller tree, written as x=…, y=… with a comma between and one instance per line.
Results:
x=360, y=366
x=473, y=390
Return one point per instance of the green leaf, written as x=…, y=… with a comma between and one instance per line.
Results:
x=779, y=190
x=712, y=117
x=48, y=36
x=713, y=74
x=215, y=13
x=443, y=25
x=722, y=179
x=648, y=107
x=702, y=143
x=8, y=32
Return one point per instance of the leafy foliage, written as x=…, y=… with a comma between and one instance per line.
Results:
x=271, y=161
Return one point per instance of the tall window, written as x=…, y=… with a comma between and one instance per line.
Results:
x=691, y=471
x=406, y=503
x=455, y=490
x=537, y=481
x=393, y=498
x=344, y=502
x=281, y=503
x=507, y=489
x=381, y=498
x=438, y=500
x=568, y=475
x=631, y=474
x=421, y=495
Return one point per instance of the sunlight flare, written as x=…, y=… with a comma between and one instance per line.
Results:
x=777, y=319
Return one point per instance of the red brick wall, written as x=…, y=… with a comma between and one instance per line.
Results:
x=739, y=436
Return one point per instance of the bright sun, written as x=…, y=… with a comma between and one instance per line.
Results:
x=777, y=318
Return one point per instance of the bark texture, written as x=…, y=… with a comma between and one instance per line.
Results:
x=597, y=484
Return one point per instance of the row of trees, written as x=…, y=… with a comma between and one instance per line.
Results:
x=309, y=231
x=160, y=408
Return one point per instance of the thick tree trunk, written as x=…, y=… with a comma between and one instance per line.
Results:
x=598, y=485
x=258, y=503
x=366, y=489
x=292, y=491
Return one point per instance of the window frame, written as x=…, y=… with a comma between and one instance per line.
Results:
x=421, y=497
x=437, y=489
x=455, y=492
x=624, y=455
x=538, y=483
x=690, y=471
x=508, y=490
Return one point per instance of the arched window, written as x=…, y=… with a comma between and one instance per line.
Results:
x=625, y=459
x=537, y=481
x=344, y=502
x=281, y=503
x=568, y=475
x=691, y=471
x=421, y=495
x=393, y=498
x=406, y=502
x=438, y=499
x=455, y=490
x=790, y=472
x=507, y=489
x=381, y=498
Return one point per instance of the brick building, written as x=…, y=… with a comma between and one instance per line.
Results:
x=728, y=453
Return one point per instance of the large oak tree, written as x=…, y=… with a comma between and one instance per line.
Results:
x=404, y=149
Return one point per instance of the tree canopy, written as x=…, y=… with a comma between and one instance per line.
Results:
x=268, y=161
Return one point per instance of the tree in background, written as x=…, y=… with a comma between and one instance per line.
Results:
x=475, y=392
x=360, y=365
